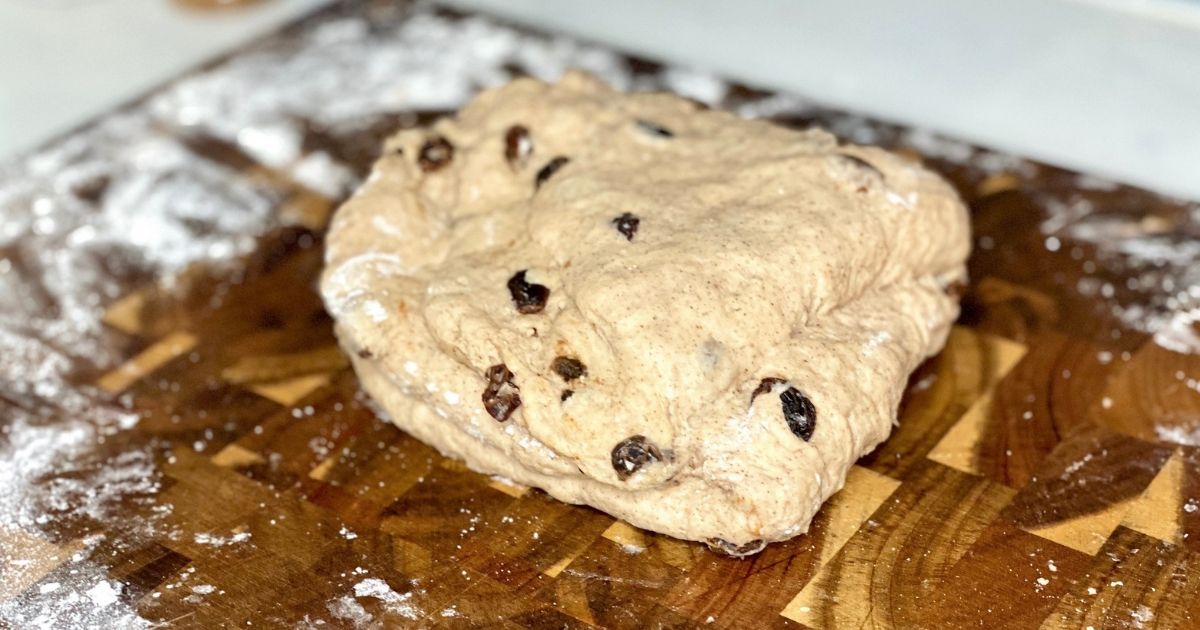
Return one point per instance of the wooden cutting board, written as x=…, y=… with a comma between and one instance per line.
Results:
x=1031, y=481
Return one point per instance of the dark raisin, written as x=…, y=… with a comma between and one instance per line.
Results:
x=501, y=397
x=566, y=393
x=627, y=224
x=530, y=298
x=643, y=67
x=513, y=69
x=724, y=547
x=549, y=170
x=435, y=154
x=517, y=146
x=655, y=129
x=568, y=368
x=799, y=412
x=765, y=387
x=92, y=189
x=632, y=454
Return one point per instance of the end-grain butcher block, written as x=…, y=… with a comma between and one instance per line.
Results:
x=694, y=322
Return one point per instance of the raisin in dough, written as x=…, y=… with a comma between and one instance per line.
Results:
x=693, y=322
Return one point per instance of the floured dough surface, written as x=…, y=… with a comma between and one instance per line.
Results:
x=694, y=322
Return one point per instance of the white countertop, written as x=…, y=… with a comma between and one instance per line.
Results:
x=1109, y=87
x=65, y=61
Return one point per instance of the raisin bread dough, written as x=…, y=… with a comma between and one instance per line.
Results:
x=693, y=322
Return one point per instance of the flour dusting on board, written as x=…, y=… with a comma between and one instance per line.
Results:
x=1141, y=616
x=1162, y=253
x=116, y=205
x=202, y=538
x=1157, y=251
x=352, y=608
x=124, y=204
x=127, y=204
x=342, y=72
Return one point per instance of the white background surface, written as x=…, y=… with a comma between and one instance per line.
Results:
x=65, y=61
x=1111, y=87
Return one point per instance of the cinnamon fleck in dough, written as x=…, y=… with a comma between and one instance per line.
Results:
x=694, y=322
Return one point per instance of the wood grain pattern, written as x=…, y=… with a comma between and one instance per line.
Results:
x=926, y=526
x=1134, y=582
x=1058, y=503
x=1040, y=475
x=1008, y=578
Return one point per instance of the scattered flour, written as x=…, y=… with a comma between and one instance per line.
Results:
x=87, y=599
x=347, y=609
x=1180, y=333
x=1142, y=615
x=874, y=342
x=344, y=70
x=393, y=602
x=104, y=594
x=66, y=251
x=221, y=541
x=1179, y=435
x=124, y=202
x=1161, y=257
